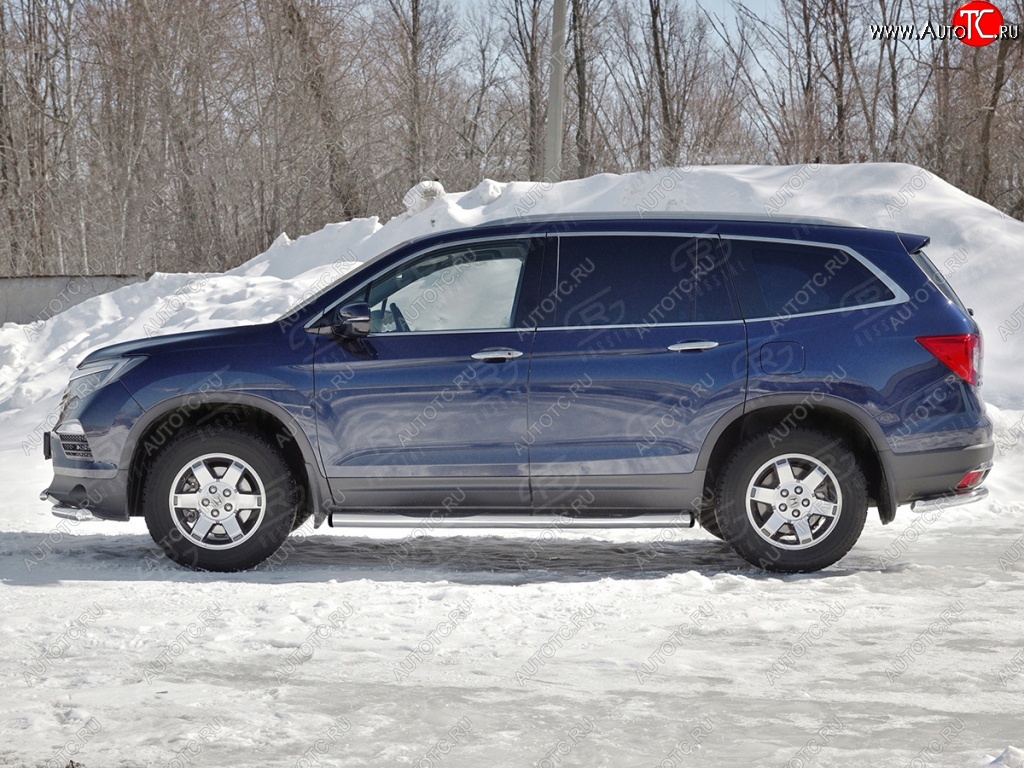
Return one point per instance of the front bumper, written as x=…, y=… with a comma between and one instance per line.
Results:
x=86, y=448
x=94, y=493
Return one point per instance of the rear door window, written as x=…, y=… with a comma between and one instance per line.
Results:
x=639, y=280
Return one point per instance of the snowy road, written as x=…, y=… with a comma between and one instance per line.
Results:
x=648, y=649
x=513, y=651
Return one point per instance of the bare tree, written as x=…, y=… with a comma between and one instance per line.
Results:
x=342, y=182
x=528, y=27
x=138, y=135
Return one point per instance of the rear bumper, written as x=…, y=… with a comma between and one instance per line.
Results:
x=935, y=475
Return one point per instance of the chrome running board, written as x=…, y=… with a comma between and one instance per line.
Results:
x=524, y=521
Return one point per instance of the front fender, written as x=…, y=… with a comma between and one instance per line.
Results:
x=297, y=422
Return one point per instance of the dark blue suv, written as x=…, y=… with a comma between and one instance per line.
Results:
x=769, y=378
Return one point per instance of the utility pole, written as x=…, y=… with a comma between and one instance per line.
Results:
x=556, y=96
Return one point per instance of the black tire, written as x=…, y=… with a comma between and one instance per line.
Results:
x=244, y=534
x=709, y=521
x=301, y=516
x=783, y=531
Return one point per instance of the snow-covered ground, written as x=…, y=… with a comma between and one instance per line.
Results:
x=549, y=649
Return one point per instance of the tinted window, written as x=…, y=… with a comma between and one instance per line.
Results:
x=639, y=280
x=784, y=279
x=469, y=288
x=937, y=277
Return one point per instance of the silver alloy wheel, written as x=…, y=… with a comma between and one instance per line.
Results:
x=794, y=501
x=217, y=501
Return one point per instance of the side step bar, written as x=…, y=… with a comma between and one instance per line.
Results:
x=949, y=500
x=397, y=520
x=72, y=513
x=66, y=512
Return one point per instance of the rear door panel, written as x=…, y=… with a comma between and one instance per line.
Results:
x=611, y=406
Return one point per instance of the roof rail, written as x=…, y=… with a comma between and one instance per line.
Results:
x=671, y=216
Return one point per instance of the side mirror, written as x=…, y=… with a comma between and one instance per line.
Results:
x=352, y=321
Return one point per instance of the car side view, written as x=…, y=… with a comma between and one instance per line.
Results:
x=768, y=378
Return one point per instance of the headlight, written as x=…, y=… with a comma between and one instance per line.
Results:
x=91, y=377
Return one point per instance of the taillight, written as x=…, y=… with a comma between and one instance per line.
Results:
x=971, y=479
x=962, y=354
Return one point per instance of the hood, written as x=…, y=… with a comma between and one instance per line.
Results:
x=216, y=337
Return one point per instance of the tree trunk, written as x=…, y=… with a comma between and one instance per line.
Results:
x=342, y=183
x=985, y=144
x=670, y=135
x=584, y=152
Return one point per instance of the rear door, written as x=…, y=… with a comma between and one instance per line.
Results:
x=428, y=410
x=640, y=350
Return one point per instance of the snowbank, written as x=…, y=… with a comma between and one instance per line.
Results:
x=979, y=248
x=117, y=657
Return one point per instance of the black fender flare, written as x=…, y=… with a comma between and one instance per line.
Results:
x=322, y=499
x=887, y=502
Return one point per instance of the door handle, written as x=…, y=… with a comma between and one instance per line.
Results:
x=497, y=355
x=693, y=346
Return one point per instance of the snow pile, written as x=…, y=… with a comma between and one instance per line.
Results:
x=421, y=196
x=1011, y=758
x=979, y=249
x=635, y=648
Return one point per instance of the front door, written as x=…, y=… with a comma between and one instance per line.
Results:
x=429, y=410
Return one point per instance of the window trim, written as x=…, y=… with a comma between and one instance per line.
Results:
x=694, y=324
x=900, y=296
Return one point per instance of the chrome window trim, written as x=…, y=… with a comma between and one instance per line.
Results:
x=899, y=295
x=415, y=255
x=652, y=233
x=710, y=216
x=389, y=334
x=637, y=325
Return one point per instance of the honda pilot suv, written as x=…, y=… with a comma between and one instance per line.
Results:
x=770, y=379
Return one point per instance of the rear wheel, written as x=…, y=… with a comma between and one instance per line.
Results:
x=792, y=504
x=220, y=499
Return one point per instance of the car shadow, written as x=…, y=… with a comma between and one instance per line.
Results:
x=32, y=558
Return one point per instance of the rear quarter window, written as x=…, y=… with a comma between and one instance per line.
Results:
x=782, y=279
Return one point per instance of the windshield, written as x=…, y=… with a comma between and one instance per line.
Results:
x=330, y=277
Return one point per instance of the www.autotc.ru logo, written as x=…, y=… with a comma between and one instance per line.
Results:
x=979, y=23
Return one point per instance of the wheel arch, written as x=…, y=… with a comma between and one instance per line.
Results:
x=834, y=415
x=161, y=423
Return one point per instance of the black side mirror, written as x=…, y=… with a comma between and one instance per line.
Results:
x=352, y=321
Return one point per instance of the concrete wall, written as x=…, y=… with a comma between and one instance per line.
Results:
x=31, y=299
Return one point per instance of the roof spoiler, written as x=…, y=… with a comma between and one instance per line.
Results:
x=913, y=243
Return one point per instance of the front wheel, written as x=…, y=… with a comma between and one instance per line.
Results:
x=220, y=499
x=792, y=504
